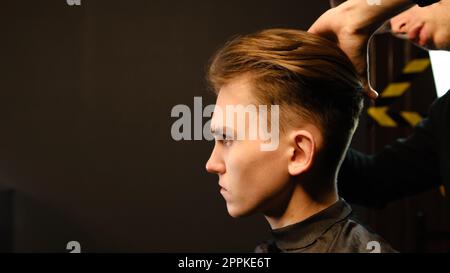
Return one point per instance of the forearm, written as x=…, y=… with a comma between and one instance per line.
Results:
x=394, y=173
x=364, y=17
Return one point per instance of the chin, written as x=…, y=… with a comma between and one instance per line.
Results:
x=442, y=45
x=237, y=212
x=442, y=41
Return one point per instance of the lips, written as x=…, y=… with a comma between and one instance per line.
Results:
x=418, y=35
x=223, y=191
x=222, y=188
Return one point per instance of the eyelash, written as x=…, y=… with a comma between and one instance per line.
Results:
x=227, y=141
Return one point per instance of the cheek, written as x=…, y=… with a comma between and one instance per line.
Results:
x=442, y=38
x=255, y=176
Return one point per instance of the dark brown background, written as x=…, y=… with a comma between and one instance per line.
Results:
x=86, y=95
x=85, y=144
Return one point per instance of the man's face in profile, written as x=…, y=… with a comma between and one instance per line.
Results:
x=249, y=178
x=425, y=26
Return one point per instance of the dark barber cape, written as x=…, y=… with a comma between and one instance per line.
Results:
x=331, y=230
x=408, y=166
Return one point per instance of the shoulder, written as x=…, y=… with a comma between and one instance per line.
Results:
x=440, y=107
x=268, y=246
x=352, y=236
x=439, y=115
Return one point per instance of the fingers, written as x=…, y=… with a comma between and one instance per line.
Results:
x=325, y=26
x=369, y=92
x=354, y=44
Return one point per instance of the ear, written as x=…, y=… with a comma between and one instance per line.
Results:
x=302, y=151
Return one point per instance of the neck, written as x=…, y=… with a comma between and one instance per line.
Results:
x=298, y=206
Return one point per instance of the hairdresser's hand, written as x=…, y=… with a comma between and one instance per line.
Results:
x=335, y=25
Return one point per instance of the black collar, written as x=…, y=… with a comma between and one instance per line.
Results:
x=306, y=232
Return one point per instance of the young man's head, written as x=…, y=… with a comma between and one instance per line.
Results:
x=319, y=98
x=427, y=26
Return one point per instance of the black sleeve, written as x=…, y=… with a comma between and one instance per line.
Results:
x=406, y=167
x=423, y=3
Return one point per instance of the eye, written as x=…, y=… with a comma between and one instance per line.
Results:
x=226, y=140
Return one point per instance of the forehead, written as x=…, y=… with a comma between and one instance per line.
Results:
x=237, y=91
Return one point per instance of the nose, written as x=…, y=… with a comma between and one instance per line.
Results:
x=399, y=24
x=215, y=163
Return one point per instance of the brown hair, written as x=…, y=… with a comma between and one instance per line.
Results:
x=309, y=78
